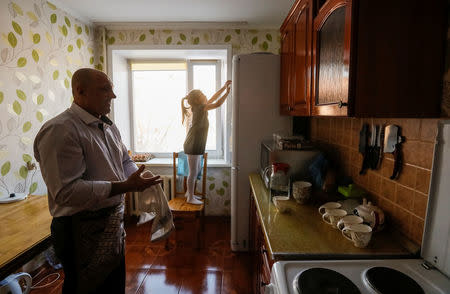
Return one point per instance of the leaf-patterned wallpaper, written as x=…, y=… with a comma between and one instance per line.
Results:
x=41, y=46
x=242, y=41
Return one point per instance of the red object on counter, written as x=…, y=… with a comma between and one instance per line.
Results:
x=280, y=166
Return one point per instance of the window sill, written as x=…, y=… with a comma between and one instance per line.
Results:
x=169, y=162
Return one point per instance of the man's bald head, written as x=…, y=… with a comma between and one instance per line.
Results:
x=82, y=78
x=92, y=90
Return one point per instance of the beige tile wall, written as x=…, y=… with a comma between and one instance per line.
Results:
x=404, y=200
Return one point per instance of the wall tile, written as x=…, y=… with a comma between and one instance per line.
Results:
x=333, y=131
x=410, y=128
x=402, y=218
x=354, y=140
x=387, y=167
x=374, y=182
x=425, y=154
x=388, y=208
x=428, y=130
x=388, y=189
x=347, y=139
x=356, y=124
x=407, y=176
x=423, y=180
x=417, y=226
x=339, y=137
x=418, y=153
x=420, y=204
x=339, y=123
x=356, y=158
x=361, y=180
x=404, y=197
x=347, y=124
x=409, y=149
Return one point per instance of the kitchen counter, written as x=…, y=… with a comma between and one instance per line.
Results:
x=24, y=231
x=302, y=234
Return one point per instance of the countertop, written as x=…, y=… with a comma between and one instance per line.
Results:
x=302, y=234
x=23, y=225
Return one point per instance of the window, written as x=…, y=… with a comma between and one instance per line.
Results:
x=157, y=90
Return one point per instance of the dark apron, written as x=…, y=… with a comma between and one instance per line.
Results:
x=90, y=244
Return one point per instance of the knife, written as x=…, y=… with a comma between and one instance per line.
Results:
x=375, y=153
x=392, y=144
x=364, y=148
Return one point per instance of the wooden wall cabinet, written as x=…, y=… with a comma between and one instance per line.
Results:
x=262, y=263
x=296, y=44
x=368, y=58
x=331, y=57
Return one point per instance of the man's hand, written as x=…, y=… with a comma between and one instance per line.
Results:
x=140, y=180
x=136, y=182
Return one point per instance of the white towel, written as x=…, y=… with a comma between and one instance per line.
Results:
x=152, y=203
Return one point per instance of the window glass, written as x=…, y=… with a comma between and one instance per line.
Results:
x=157, y=110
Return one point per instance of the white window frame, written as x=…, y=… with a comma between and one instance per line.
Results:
x=223, y=114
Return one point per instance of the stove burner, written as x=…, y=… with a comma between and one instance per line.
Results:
x=324, y=281
x=387, y=281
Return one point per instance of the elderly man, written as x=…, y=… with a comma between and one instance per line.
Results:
x=87, y=170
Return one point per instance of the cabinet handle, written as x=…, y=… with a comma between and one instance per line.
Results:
x=342, y=104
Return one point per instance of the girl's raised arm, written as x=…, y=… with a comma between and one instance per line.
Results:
x=211, y=105
x=217, y=94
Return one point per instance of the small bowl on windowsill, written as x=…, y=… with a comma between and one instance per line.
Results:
x=281, y=203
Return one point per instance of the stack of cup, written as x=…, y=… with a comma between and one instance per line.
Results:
x=351, y=226
x=301, y=191
x=331, y=214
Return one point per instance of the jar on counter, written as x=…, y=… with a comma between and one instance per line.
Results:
x=279, y=180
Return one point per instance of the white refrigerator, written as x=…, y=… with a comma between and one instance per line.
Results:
x=256, y=116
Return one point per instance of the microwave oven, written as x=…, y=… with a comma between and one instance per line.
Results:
x=298, y=160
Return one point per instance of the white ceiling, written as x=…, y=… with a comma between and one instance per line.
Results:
x=256, y=13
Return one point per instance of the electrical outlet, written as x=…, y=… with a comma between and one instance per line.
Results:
x=31, y=165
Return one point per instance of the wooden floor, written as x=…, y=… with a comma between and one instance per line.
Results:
x=181, y=269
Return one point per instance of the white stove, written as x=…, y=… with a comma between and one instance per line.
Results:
x=430, y=275
x=286, y=277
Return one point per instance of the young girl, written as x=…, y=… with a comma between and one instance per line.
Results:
x=195, y=142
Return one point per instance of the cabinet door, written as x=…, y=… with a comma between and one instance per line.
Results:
x=301, y=86
x=254, y=246
x=331, y=54
x=287, y=54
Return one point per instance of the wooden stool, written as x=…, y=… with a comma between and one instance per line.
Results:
x=178, y=205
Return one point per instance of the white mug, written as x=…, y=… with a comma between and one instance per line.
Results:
x=359, y=234
x=349, y=220
x=328, y=206
x=333, y=216
x=301, y=191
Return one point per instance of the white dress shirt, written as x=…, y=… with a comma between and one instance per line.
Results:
x=79, y=161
